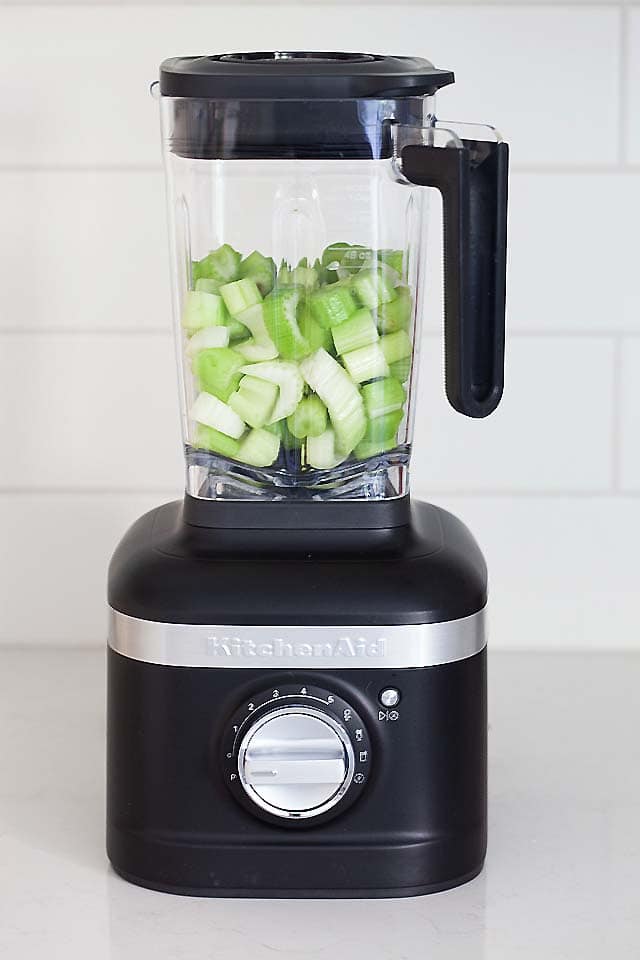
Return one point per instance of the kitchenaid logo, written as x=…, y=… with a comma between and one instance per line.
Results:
x=345, y=648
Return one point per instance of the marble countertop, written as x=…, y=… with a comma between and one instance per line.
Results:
x=562, y=878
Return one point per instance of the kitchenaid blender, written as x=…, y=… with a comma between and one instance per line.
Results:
x=297, y=663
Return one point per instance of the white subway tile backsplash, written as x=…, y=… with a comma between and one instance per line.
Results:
x=632, y=80
x=573, y=252
x=630, y=416
x=563, y=572
x=528, y=69
x=88, y=252
x=57, y=592
x=89, y=412
x=552, y=431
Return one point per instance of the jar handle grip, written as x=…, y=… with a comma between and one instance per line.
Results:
x=472, y=176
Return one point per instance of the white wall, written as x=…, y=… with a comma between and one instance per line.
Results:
x=550, y=484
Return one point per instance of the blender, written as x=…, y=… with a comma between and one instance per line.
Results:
x=297, y=650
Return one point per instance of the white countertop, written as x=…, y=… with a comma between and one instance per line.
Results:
x=563, y=872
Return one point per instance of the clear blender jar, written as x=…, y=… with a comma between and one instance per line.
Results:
x=297, y=220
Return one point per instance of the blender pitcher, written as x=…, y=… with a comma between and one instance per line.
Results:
x=297, y=223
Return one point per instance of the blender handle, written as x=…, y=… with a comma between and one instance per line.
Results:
x=472, y=179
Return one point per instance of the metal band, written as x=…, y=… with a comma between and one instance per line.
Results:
x=301, y=647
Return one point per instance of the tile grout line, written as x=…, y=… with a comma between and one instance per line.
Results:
x=616, y=413
x=623, y=82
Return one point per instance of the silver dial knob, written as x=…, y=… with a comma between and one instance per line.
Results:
x=296, y=762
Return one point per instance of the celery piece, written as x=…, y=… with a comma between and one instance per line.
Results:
x=260, y=346
x=259, y=448
x=380, y=435
x=339, y=394
x=315, y=335
x=204, y=285
x=203, y=310
x=222, y=265
x=280, y=428
x=260, y=269
x=279, y=313
x=237, y=330
x=396, y=314
x=254, y=400
x=367, y=363
x=372, y=287
x=383, y=396
x=212, y=412
x=207, y=438
x=240, y=295
x=323, y=452
x=358, y=331
x=218, y=371
x=205, y=338
x=332, y=304
x=401, y=369
x=289, y=380
x=396, y=346
x=309, y=419
x=303, y=276
x=394, y=258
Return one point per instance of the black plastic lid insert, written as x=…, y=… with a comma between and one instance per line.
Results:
x=299, y=75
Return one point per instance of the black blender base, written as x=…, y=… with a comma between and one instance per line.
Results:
x=173, y=822
x=257, y=872
x=393, y=893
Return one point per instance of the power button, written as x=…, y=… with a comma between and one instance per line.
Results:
x=389, y=697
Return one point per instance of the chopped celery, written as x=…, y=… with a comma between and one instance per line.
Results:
x=396, y=314
x=394, y=258
x=218, y=371
x=396, y=346
x=207, y=337
x=287, y=377
x=332, y=256
x=323, y=452
x=367, y=363
x=279, y=312
x=358, y=331
x=237, y=330
x=222, y=265
x=303, y=276
x=315, y=335
x=280, y=428
x=383, y=396
x=372, y=287
x=401, y=369
x=254, y=400
x=260, y=269
x=204, y=285
x=332, y=304
x=214, y=413
x=209, y=439
x=260, y=346
x=380, y=435
x=339, y=394
x=203, y=310
x=240, y=295
x=309, y=419
x=259, y=448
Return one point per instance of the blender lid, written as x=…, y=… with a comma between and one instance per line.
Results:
x=299, y=75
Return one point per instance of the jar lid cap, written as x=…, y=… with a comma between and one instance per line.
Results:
x=297, y=75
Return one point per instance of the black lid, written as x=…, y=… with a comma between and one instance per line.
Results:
x=299, y=75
